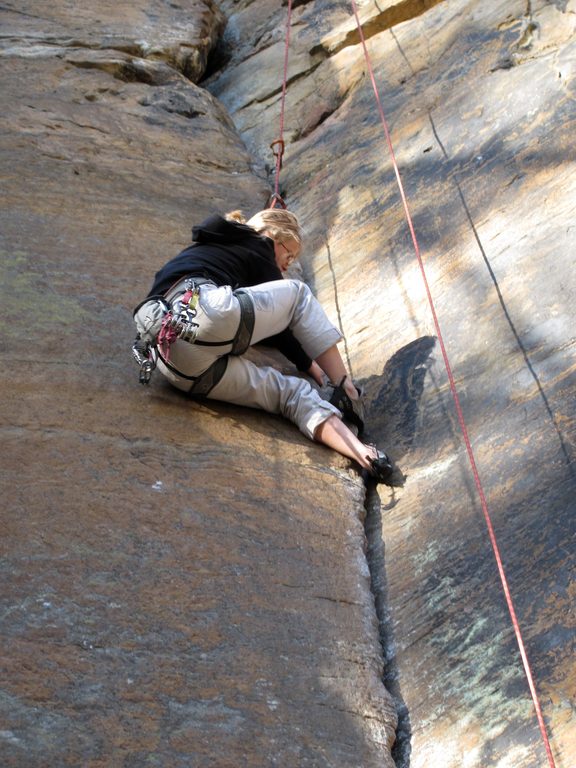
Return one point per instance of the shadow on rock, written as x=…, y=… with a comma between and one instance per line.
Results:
x=393, y=400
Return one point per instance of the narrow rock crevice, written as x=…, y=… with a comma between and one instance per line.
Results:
x=219, y=56
x=375, y=556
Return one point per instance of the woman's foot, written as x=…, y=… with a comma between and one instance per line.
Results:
x=380, y=467
x=376, y=464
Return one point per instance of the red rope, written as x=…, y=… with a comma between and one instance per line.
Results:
x=277, y=146
x=461, y=420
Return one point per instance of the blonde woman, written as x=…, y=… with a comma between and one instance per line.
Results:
x=227, y=291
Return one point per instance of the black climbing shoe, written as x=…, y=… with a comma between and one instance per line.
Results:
x=381, y=468
x=352, y=410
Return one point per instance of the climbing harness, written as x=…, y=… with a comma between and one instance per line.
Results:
x=160, y=322
x=463, y=427
x=179, y=323
x=243, y=337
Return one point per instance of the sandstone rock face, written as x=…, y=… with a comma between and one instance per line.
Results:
x=480, y=102
x=187, y=584
x=184, y=585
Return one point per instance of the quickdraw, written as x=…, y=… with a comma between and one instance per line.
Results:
x=145, y=356
x=278, y=145
x=179, y=323
x=160, y=324
x=277, y=148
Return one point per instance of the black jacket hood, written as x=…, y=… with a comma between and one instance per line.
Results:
x=217, y=229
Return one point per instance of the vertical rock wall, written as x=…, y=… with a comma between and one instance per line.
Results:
x=186, y=585
x=183, y=584
x=480, y=102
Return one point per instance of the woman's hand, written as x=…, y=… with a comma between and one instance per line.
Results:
x=316, y=373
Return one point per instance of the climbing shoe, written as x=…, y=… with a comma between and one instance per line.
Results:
x=381, y=467
x=383, y=470
x=352, y=410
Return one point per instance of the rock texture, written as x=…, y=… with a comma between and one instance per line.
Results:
x=480, y=101
x=183, y=585
x=187, y=585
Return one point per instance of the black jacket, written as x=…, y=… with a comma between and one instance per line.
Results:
x=232, y=254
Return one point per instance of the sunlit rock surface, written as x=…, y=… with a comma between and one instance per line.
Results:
x=186, y=584
x=183, y=584
x=480, y=102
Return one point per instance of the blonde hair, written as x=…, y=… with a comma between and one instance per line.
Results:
x=277, y=223
x=235, y=216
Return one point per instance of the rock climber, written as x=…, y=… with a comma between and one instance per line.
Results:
x=226, y=292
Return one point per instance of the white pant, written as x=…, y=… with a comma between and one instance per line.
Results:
x=278, y=305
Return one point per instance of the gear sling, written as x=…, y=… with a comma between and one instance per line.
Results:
x=159, y=323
